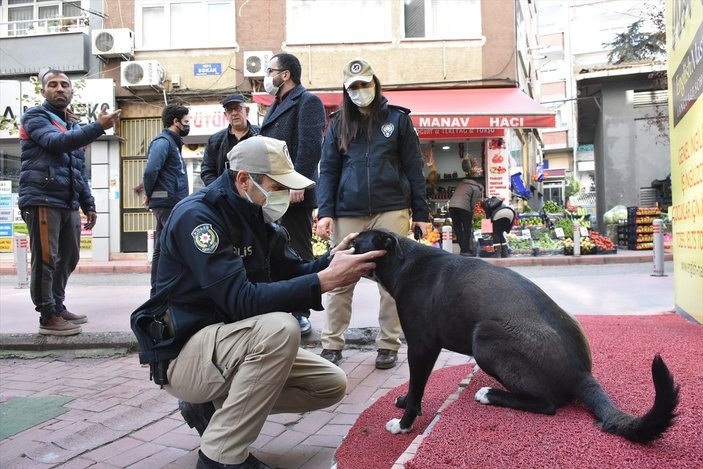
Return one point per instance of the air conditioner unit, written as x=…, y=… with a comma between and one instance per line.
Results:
x=255, y=63
x=142, y=74
x=113, y=43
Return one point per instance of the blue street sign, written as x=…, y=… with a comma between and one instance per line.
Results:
x=200, y=70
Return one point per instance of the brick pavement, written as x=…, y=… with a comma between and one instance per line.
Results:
x=119, y=419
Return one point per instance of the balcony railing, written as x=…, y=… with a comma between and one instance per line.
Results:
x=44, y=26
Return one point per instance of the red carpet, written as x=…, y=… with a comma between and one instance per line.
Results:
x=471, y=435
x=369, y=445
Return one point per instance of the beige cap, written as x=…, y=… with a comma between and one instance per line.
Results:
x=269, y=156
x=357, y=70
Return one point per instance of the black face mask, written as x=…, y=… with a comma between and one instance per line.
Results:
x=184, y=130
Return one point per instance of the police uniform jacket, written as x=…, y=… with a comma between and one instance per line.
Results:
x=379, y=172
x=52, y=171
x=165, y=179
x=221, y=262
x=216, y=150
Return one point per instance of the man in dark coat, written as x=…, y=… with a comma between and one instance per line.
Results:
x=53, y=185
x=298, y=118
x=219, y=144
x=165, y=179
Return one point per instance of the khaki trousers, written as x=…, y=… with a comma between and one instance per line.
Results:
x=251, y=369
x=339, y=301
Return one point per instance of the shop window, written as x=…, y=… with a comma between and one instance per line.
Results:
x=554, y=192
x=168, y=24
x=10, y=164
x=442, y=19
x=337, y=21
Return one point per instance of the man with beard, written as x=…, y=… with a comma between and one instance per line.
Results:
x=297, y=117
x=53, y=185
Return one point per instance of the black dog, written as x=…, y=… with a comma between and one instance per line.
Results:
x=514, y=331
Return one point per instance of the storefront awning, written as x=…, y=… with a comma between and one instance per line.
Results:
x=476, y=108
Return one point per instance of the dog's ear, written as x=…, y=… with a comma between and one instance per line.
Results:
x=389, y=242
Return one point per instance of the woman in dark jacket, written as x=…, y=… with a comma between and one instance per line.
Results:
x=370, y=177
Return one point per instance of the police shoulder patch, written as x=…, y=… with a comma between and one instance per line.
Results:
x=205, y=238
x=387, y=129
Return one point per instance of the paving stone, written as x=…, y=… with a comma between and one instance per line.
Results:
x=112, y=449
x=50, y=454
x=90, y=438
x=313, y=421
x=359, y=394
x=156, y=429
x=161, y=459
x=336, y=429
x=134, y=455
x=179, y=441
x=285, y=442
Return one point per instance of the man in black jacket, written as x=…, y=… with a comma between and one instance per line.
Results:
x=53, y=185
x=165, y=179
x=297, y=117
x=219, y=144
x=226, y=273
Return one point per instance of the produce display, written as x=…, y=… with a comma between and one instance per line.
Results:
x=319, y=246
x=431, y=238
x=547, y=243
x=603, y=243
x=587, y=246
x=637, y=233
x=519, y=243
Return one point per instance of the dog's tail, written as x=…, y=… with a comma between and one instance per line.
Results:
x=642, y=429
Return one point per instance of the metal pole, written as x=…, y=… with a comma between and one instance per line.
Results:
x=149, y=246
x=447, y=238
x=21, y=246
x=658, y=242
x=577, y=239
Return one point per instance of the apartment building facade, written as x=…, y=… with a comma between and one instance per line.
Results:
x=465, y=69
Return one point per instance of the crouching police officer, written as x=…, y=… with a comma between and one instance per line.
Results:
x=227, y=273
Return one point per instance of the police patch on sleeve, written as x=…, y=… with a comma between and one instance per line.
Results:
x=205, y=238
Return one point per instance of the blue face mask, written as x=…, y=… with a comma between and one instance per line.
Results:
x=276, y=204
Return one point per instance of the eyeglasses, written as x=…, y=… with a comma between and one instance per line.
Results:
x=234, y=109
x=269, y=70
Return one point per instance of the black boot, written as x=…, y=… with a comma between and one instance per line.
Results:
x=197, y=415
x=504, y=252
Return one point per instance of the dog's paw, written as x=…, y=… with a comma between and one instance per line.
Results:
x=481, y=395
x=393, y=426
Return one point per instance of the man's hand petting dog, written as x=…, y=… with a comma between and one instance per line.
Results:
x=347, y=268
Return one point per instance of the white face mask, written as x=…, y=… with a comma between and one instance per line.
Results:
x=362, y=97
x=270, y=87
x=276, y=204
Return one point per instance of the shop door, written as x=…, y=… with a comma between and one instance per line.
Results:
x=136, y=220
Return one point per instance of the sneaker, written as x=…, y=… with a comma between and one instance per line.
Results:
x=251, y=463
x=197, y=415
x=73, y=318
x=56, y=325
x=334, y=356
x=386, y=359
